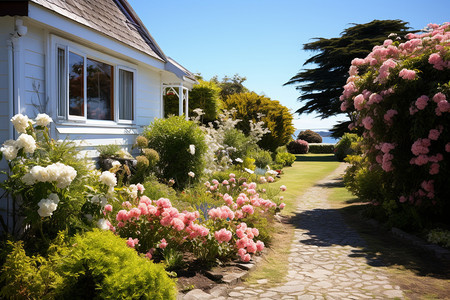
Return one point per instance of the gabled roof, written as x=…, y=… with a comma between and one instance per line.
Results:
x=114, y=18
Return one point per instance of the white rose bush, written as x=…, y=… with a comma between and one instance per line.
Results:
x=46, y=180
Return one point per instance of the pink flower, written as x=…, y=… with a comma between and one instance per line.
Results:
x=122, y=215
x=246, y=258
x=177, y=223
x=367, y=122
x=225, y=182
x=407, y=74
x=422, y=102
x=389, y=115
x=148, y=255
x=259, y=246
x=163, y=244
x=438, y=97
x=108, y=207
x=447, y=147
x=374, y=98
x=386, y=147
x=358, y=62
x=126, y=204
x=443, y=106
x=436, y=60
x=251, y=246
x=402, y=199
x=132, y=242
x=433, y=134
x=223, y=235
x=146, y=200
x=282, y=205
x=252, y=185
x=434, y=169
x=140, y=187
x=283, y=188
x=163, y=203
x=359, y=102
x=247, y=209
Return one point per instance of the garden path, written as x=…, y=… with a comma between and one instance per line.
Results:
x=326, y=260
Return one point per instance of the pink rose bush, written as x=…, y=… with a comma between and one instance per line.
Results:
x=399, y=96
x=155, y=226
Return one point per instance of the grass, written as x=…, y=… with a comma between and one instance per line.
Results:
x=420, y=275
x=307, y=169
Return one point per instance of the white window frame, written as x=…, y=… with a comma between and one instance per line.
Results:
x=88, y=53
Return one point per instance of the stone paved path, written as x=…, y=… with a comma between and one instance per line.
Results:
x=326, y=260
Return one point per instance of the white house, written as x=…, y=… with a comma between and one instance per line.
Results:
x=89, y=64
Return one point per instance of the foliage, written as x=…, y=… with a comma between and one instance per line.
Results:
x=109, y=150
x=285, y=159
x=206, y=96
x=298, y=147
x=239, y=142
x=181, y=146
x=230, y=86
x=97, y=265
x=440, y=237
x=321, y=86
x=321, y=148
x=263, y=158
x=346, y=145
x=46, y=181
x=397, y=96
x=251, y=108
x=309, y=136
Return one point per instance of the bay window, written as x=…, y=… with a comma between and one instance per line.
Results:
x=89, y=90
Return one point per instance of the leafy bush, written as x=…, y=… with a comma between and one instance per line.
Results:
x=321, y=148
x=285, y=159
x=238, y=143
x=398, y=98
x=181, y=146
x=309, y=136
x=206, y=96
x=101, y=264
x=109, y=150
x=97, y=265
x=253, y=107
x=262, y=158
x=440, y=237
x=344, y=146
x=298, y=147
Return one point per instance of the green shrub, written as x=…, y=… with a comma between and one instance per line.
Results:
x=344, y=146
x=205, y=95
x=321, y=148
x=97, y=265
x=285, y=159
x=239, y=141
x=309, y=136
x=276, y=117
x=100, y=264
x=110, y=150
x=262, y=158
x=155, y=190
x=298, y=147
x=173, y=138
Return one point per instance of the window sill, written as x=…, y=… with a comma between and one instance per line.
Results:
x=69, y=127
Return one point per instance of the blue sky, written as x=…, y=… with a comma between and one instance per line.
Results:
x=262, y=40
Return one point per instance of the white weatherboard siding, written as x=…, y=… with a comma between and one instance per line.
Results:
x=148, y=96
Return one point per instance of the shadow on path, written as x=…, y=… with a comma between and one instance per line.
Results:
x=326, y=227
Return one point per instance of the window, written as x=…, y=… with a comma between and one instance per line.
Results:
x=87, y=88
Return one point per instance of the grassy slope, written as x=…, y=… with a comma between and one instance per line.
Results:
x=303, y=174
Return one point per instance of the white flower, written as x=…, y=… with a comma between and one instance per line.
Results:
x=26, y=142
x=66, y=176
x=28, y=179
x=102, y=224
x=54, y=197
x=272, y=172
x=133, y=190
x=108, y=178
x=116, y=163
x=20, y=123
x=46, y=207
x=40, y=174
x=192, y=149
x=192, y=174
x=249, y=171
x=9, y=149
x=43, y=120
x=239, y=160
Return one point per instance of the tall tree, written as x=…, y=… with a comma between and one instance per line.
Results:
x=231, y=86
x=322, y=85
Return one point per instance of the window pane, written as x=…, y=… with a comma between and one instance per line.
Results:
x=125, y=95
x=100, y=104
x=76, y=85
x=62, y=77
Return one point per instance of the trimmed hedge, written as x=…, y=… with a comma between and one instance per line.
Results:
x=321, y=148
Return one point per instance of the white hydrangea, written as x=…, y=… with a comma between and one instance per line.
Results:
x=9, y=149
x=116, y=163
x=133, y=190
x=60, y=173
x=102, y=224
x=192, y=174
x=43, y=120
x=54, y=197
x=27, y=142
x=48, y=206
x=192, y=149
x=20, y=123
x=108, y=178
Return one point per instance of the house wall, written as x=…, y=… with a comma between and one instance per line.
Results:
x=148, y=92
